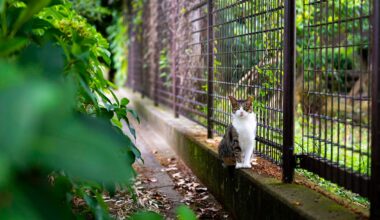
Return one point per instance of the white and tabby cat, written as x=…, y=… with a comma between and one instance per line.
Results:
x=239, y=139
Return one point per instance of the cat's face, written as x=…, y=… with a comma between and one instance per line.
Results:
x=241, y=108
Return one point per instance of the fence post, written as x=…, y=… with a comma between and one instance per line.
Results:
x=288, y=101
x=210, y=69
x=375, y=148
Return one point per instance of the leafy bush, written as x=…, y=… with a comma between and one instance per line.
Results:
x=61, y=134
x=92, y=10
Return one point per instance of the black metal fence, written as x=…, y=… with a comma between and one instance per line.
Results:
x=316, y=95
x=335, y=139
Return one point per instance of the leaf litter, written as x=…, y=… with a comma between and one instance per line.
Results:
x=195, y=194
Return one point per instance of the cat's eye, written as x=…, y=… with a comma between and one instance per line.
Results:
x=247, y=107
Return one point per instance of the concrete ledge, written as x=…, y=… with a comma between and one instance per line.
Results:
x=246, y=194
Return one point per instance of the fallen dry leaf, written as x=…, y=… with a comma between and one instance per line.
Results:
x=169, y=169
x=297, y=203
x=176, y=175
x=153, y=180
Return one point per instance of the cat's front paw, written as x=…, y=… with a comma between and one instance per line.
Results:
x=242, y=165
x=247, y=166
x=254, y=161
x=239, y=165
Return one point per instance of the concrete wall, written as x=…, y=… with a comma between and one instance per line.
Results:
x=245, y=193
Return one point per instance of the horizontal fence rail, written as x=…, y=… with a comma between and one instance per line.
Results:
x=313, y=93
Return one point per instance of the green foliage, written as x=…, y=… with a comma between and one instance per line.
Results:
x=85, y=49
x=334, y=188
x=137, y=8
x=164, y=68
x=57, y=117
x=185, y=213
x=147, y=215
x=118, y=36
x=40, y=131
x=352, y=34
x=92, y=10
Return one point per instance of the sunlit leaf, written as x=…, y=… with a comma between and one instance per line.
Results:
x=124, y=101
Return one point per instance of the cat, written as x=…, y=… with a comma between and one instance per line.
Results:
x=239, y=140
x=229, y=147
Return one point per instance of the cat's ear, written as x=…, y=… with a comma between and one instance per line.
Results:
x=232, y=99
x=250, y=99
x=234, y=102
x=249, y=102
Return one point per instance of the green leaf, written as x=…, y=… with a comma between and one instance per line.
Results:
x=62, y=186
x=185, y=213
x=132, y=130
x=86, y=149
x=124, y=101
x=97, y=206
x=134, y=114
x=35, y=57
x=5, y=170
x=88, y=93
x=104, y=97
x=114, y=97
x=33, y=197
x=116, y=122
x=149, y=215
x=33, y=7
x=105, y=54
x=2, y=5
x=9, y=46
x=27, y=107
x=105, y=113
x=121, y=113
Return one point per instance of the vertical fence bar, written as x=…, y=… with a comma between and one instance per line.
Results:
x=155, y=81
x=210, y=70
x=174, y=86
x=155, y=90
x=174, y=60
x=131, y=76
x=289, y=79
x=156, y=53
x=375, y=151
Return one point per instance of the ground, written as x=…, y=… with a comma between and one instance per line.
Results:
x=164, y=182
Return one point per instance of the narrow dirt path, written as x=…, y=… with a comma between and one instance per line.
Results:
x=166, y=177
